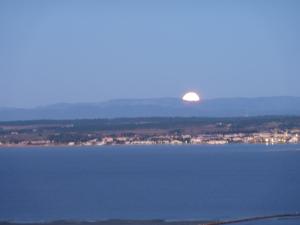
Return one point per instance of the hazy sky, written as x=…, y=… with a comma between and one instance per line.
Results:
x=91, y=51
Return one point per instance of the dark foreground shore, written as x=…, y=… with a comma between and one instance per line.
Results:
x=111, y=222
x=158, y=222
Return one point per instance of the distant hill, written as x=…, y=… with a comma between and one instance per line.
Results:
x=159, y=107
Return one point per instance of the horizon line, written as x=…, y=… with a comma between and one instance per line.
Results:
x=139, y=99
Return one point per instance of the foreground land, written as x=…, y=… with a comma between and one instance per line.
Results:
x=175, y=130
x=161, y=222
x=114, y=222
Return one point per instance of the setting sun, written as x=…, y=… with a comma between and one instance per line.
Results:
x=191, y=97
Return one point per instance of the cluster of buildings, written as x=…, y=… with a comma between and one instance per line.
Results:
x=268, y=138
x=215, y=139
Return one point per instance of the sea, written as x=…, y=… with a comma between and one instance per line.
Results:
x=171, y=182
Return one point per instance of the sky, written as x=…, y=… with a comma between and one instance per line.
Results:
x=93, y=51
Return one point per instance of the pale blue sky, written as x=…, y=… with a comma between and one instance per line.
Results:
x=91, y=51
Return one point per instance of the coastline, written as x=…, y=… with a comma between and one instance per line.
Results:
x=107, y=145
x=286, y=216
x=112, y=222
x=151, y=131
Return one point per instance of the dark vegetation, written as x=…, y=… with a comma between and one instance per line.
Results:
x=63, y=131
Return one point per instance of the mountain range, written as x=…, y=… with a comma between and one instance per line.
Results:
x=158, y=107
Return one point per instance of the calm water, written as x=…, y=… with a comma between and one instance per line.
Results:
x=140, y=182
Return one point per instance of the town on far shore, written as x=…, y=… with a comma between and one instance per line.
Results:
x=268, y=130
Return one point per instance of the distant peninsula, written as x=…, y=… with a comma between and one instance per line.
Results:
x=151, y=130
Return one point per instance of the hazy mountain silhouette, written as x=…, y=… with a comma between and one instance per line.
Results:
x=162, y=107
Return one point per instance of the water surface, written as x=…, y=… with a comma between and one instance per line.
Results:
x=146, y=182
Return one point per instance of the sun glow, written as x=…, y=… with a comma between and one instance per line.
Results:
x=191, y=97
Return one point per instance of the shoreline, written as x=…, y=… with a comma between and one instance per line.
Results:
x=111, y=222
x=108, y=145
x=287, y=216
